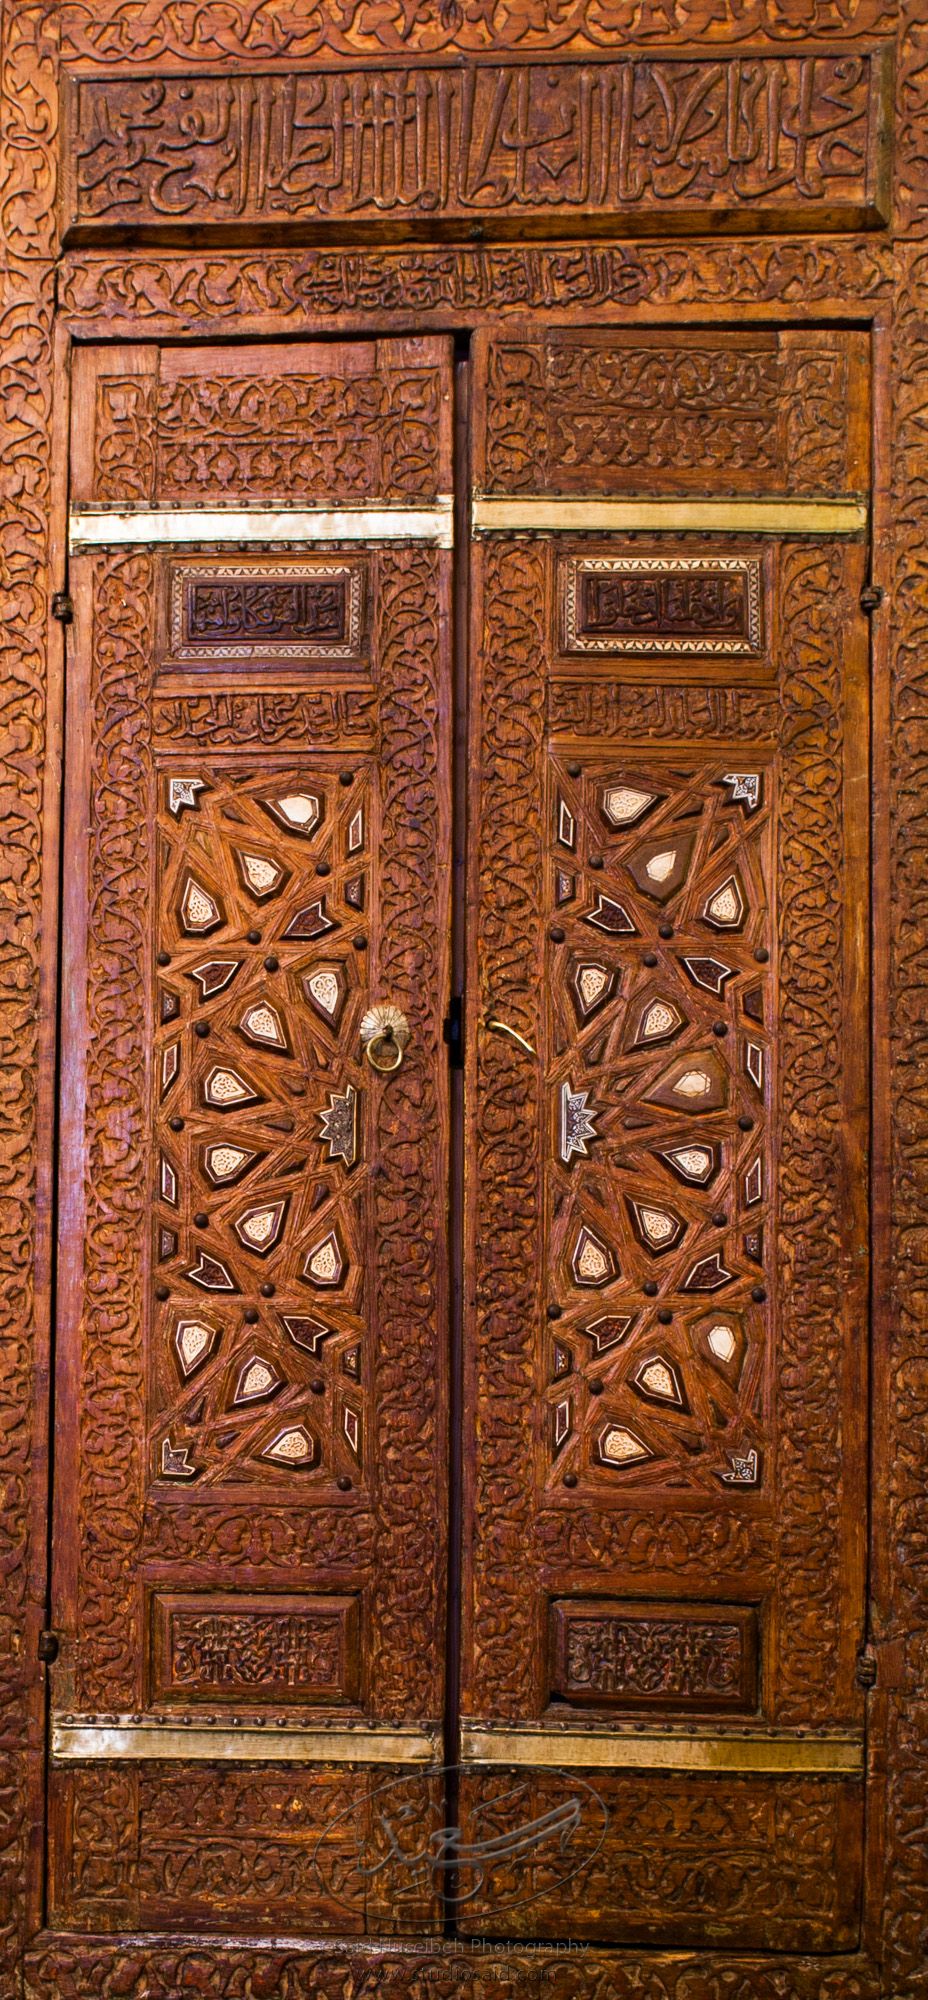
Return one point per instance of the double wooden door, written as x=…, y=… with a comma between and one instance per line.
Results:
x=462, y=1319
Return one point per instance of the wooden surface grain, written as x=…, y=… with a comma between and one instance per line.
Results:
x=530, y=245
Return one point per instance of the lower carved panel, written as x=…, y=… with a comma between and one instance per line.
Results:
x=261, y=1650
x=291, y=1850
x=687, y=1861
x=641, y=1656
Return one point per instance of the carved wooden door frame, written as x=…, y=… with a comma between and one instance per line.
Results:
x=859, y=260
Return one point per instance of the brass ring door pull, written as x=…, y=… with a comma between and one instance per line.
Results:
x=384, y=1035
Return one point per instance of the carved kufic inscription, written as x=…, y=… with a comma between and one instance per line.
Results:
x=262, y=1649
x=691, y=605
x=653, y=1655
x=265, y=610
x=771, y=133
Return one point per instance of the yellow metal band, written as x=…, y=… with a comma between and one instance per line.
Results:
x=121, y=1738
x=108, y=527
x=628, y=514
x=661, y=1750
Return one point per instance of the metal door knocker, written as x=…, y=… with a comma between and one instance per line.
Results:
x=384, y=1035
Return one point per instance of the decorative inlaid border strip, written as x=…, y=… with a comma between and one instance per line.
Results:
x=126, y=1738
x=662, y=1750
x=746, y=569
x=760, y=516
x=203, y=651
x=108, y=527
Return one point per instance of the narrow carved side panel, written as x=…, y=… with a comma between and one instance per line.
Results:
x=409, y=1219
x=502, y=1676
x=902, y=1516
x=28, y=170
x=822, y=1166
x=117, y=1177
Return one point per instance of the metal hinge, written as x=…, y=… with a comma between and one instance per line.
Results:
x=63, y=607
x=871, y=597
x=48, y=1647
x=881, y=1663
x=453, y=1031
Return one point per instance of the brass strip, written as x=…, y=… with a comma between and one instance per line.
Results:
x=760, y=516
x=107, y=527
x=654, y=1750
x=118, y=1738
x=503, y=1028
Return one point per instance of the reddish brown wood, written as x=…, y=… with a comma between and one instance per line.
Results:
x=253, y=1283
x=669, y=1225
x=179, y=281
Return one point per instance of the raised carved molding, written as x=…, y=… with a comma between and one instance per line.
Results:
x=287, y=287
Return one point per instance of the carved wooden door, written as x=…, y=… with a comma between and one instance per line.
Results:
x=667, y=1502
x=662, y=1431
x=249, y=1542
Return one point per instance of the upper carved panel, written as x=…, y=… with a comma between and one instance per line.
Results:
x=301, y=425
x=778, y=139
x=737, y=413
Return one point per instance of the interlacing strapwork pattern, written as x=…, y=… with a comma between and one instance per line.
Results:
x=659, y=1202
x=260, y=1181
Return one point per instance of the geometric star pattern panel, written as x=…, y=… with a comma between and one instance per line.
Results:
x=660, y=1084
x=260, y=1178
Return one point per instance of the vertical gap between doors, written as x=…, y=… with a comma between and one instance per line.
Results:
x=460, y=688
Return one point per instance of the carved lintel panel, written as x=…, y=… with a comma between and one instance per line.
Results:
x=279, y=288
x=778, y=137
